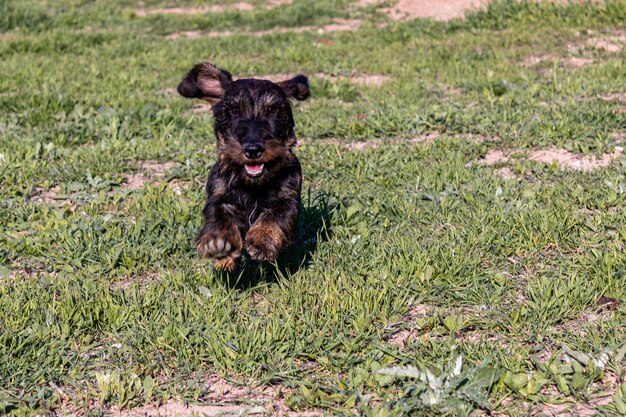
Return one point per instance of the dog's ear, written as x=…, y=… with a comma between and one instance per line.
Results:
x=206, y=82
x=297, y=87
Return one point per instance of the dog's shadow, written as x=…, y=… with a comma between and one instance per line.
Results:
x=314, y=226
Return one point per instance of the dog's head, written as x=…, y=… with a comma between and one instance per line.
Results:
x=253, y=119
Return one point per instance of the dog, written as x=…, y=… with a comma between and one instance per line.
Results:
x=253, y=190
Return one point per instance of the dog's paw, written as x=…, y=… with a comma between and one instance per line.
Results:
x=219, y=244
x=229, y=263
x=264, y=241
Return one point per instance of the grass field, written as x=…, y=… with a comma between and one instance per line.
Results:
x=462, y=241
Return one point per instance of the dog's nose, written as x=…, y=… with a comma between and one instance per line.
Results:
x=253, y=150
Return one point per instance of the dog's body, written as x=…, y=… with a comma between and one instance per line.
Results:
x=253, y=191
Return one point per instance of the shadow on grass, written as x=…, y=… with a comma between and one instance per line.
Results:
x=314, y=226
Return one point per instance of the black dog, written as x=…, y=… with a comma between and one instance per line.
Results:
x=253, y=191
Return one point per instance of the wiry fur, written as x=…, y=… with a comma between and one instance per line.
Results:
x=255, y=213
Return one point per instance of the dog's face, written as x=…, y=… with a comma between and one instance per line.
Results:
x=253, y=119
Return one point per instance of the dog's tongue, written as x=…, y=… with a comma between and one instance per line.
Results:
x=254, y=169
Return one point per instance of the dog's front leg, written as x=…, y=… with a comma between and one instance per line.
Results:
x=275, y=227
x=219, y=238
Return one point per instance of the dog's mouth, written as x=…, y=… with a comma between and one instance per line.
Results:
x=253, y=170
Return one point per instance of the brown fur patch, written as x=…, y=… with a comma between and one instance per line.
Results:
x=264, y=240
x=230, y=263
x=219, y=188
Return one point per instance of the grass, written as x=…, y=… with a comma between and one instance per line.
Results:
x=410, y=255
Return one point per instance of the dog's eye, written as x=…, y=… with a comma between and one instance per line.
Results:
x=234, y=111
x=271, y=109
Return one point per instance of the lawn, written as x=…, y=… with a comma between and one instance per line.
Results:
x=461, y=248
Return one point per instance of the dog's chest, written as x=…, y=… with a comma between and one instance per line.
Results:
x=246, y=206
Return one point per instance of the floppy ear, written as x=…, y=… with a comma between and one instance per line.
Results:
x=206, y=82
x=297, y=87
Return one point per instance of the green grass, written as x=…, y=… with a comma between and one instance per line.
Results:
x=103, y=301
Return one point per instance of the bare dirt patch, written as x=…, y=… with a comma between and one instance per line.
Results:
x=573, y=161
x=270, y=4
x=374, y=144
x=190, y=34
x=375, y=80
x=216, y=8
x=497, y=156
x=571, y=62
x=157, y=168
x=336, y=25
x=506, y=173
x=366, y=3
x=619, y=97
x=476, y=337
x=611, y=43
x=143, y=280
x=403, y=337
x=49, y=197
x=6, y=36
x=578, y=61
x=136, y=181
x=433, y=9
x=341, y=25
x=619, y=137
x=425, y=139
x=533, y=60
x=570, y=408
x=561, y=157
x=225, y=400
x=152, y=172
